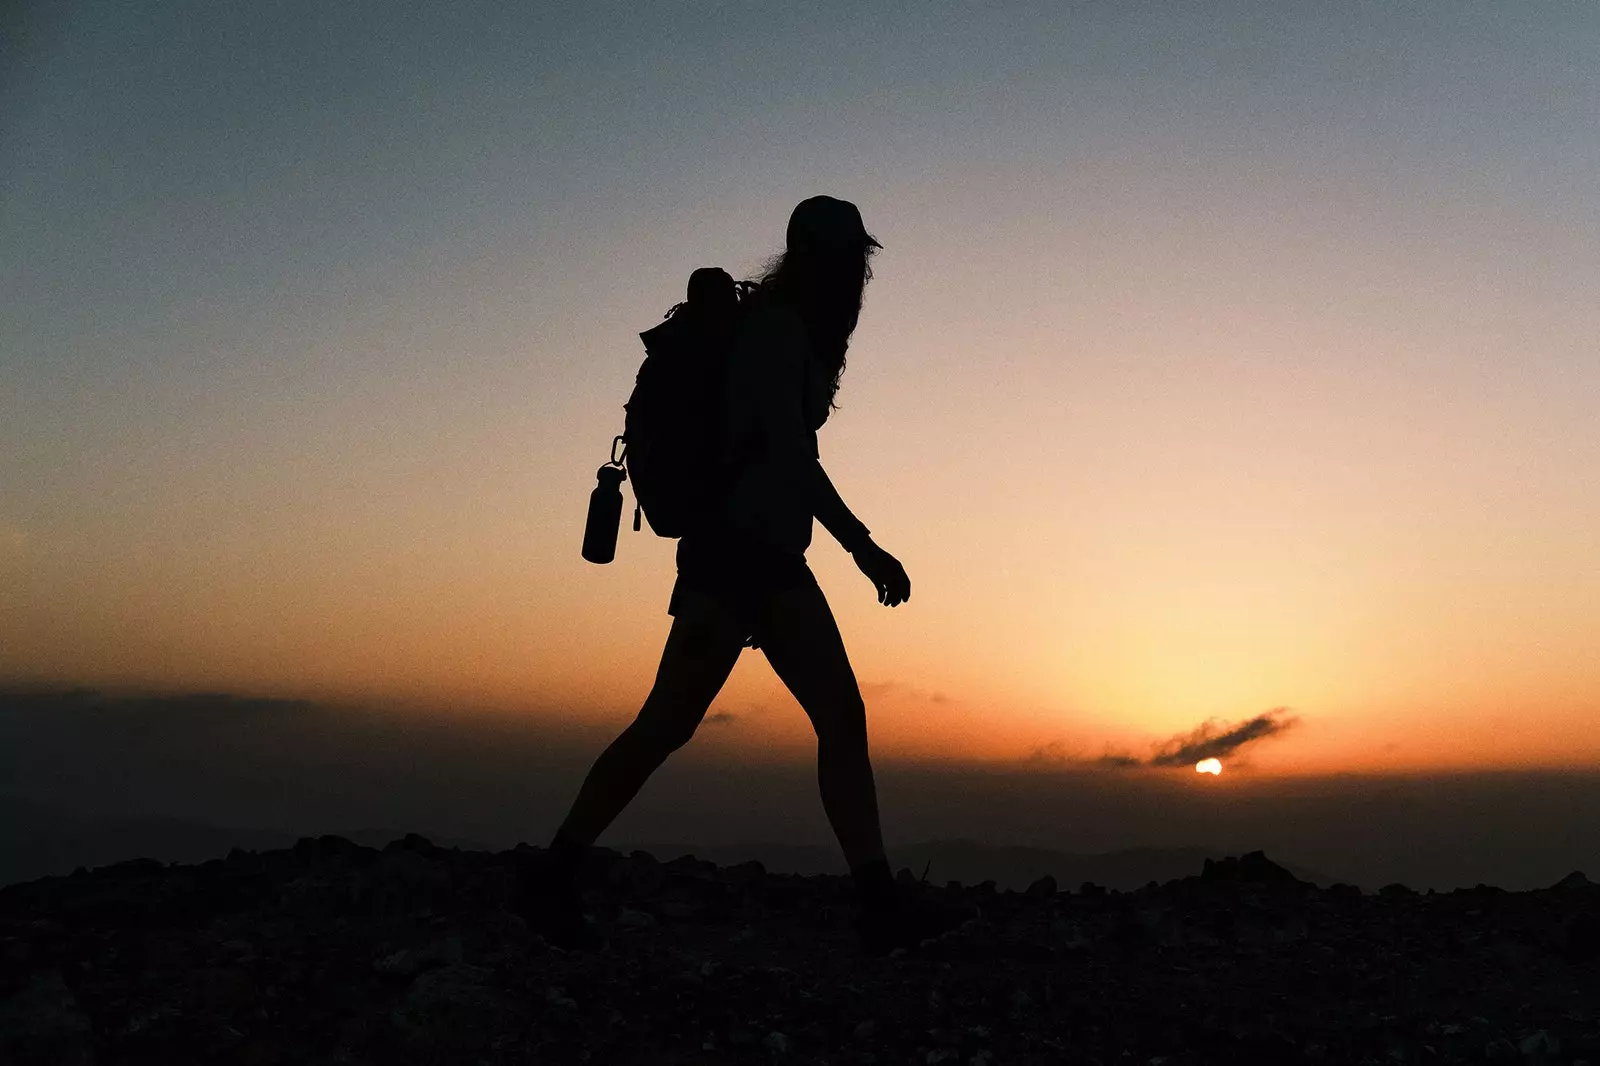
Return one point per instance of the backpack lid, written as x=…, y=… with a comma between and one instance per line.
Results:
x=671, y=333
x=713, y=301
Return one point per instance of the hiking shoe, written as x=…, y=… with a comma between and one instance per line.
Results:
x=552, y=906
x=909, y=923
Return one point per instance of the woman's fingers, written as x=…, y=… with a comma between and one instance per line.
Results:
x=888, y=578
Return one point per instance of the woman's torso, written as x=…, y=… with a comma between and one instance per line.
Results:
x=776, y=398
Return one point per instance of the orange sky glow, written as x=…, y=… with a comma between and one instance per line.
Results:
x=1174, y=411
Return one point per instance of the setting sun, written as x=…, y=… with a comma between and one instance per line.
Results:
x=1208, y=766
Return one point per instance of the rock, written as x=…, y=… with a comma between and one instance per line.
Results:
x=1539, y=1044
x=411, y=842
x=1574, y=880
x=689, y=866
x=407, y=867
x=629, y=918
x=641, y=873
x=327, y=846
x=446, y=950
x=409, y=961
x=1580, y=937
x=864, y=1030
x=776, y=1042
x=1251, y=868
x=450, y=996
x=1044, y=887
x=1500, y=1050
x=134, y=867
x=43, y=1013
x=402, y=963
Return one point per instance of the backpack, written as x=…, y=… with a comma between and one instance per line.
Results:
x=672, y=430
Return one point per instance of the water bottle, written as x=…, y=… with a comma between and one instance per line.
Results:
x=605, y=514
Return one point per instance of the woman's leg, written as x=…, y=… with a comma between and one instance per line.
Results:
x=801, y=641
x=702, y=647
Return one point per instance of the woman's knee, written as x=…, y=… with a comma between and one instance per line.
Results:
x=665, y=727
x=842, y=724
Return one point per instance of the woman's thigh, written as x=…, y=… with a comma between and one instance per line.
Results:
x=801, y=640
x=702, y=648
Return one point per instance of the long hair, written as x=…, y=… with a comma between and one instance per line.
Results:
x=826, y=288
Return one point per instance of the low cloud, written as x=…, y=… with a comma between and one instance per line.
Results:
x=1055, y=753
x=1209, y=740
x=1116, y=760
x=899, y=689
x=720, y=718
x=1212, y=740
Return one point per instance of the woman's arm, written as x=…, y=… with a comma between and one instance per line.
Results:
x=888, y=577
x=830, y=509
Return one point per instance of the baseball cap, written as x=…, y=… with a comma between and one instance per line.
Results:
x=825, y=222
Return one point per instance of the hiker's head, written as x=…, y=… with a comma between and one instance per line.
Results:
x=823, y=271
x=824, y=225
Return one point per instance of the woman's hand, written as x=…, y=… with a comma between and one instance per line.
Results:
x=885, y=573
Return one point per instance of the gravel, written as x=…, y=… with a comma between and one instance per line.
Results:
x=333, y=953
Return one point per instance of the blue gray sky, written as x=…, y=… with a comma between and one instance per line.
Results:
x=1222, y=356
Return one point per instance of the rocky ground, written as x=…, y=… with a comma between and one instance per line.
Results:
x=333, y=953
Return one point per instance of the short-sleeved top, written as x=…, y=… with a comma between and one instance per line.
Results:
x=776, y=399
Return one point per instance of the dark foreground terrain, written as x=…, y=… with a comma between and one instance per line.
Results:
x=333, y=953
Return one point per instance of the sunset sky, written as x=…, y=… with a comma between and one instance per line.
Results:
x=1221, y=358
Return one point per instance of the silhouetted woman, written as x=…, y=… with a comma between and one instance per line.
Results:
x=743, y=579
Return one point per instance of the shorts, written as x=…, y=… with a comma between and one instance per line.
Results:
x=740, y=575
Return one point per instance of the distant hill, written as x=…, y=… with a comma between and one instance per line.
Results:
x=40, y=841
x=971, y=862
x=37, y=840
